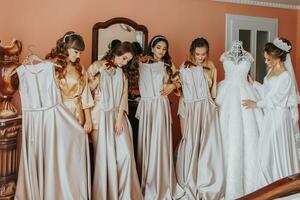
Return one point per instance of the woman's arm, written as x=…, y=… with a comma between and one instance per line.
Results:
x=276, y=97
x=123, y=108
x=94, y=72
x=88, y=125
x=87, y=102
x=174, y=85
x=213, y=89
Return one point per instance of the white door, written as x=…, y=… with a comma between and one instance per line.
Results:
x=254, y=32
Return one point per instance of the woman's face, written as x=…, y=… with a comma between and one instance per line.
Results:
x=159, y=50
x=200, y=55
x=73, y=54
x=270, y=61
x=123, y=60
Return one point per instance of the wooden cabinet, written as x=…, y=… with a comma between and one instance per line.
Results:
x=10, y=129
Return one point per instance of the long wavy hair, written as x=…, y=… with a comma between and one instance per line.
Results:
x=166, y=58
x=59, y=54
x=133, y=69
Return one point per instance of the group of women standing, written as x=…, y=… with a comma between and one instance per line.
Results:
x=58, y=95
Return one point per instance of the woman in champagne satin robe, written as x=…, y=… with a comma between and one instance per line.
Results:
x=115, y=175
x=73, y=80
x=76, y=95
x=155, y=149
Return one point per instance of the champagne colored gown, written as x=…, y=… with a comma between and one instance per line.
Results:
x=54, y=157
x=115, y=174
x=155, y=150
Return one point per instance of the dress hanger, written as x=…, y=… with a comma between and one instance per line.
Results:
x=237, y=49
x=33, y=59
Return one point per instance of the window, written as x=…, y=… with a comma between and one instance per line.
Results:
x=254, y=32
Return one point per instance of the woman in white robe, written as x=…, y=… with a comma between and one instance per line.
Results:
x=277, y=152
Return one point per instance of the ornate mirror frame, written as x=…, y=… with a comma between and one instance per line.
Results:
x=103, y=25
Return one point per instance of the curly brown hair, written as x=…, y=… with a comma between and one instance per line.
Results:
x=59, y=54
x=118, y=50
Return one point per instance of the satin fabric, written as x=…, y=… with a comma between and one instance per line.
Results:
x=200, y=167
x=54, y=157
x=210, y=73
x=277, y=146
x=115, y=175
x=75, y=92
x=155, y=151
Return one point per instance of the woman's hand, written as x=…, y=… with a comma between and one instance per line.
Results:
x=168, y=88
x=93, y=82
x=216, y=105
x=249, y=104
x=250, y=80
x=88, y=126
x=135, y=91
x=146, y=59
x=188, y=64
x=119, y=127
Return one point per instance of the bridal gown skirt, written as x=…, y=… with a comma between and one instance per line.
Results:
x=240, y=129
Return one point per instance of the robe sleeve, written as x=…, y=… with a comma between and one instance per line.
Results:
x=213, y=89
x=124, y=98
x=86, y=96
x=278, y=96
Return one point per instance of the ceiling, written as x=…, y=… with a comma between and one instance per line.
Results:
x=288, y=4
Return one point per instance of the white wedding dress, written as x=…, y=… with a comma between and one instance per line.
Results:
x=239, y=126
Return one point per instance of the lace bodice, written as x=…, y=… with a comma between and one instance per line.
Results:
x=237, y=54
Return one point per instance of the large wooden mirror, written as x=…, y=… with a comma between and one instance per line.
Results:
x=117, y=28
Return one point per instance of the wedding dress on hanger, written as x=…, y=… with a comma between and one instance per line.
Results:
x=239, y=126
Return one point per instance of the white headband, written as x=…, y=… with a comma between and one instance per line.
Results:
x=282, y=45
x=67, y=35
x=156, y=38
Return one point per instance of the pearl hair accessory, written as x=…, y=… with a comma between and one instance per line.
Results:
x=282, y=45
x=68, y=35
